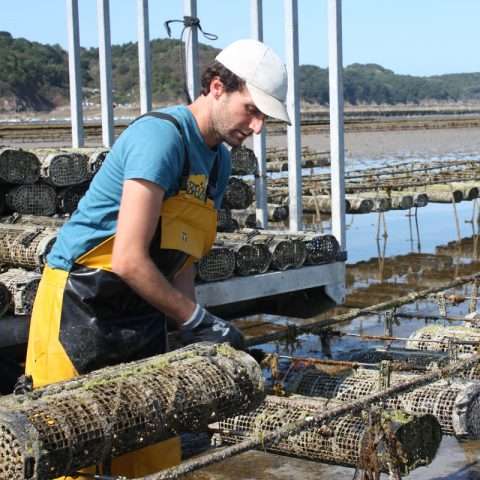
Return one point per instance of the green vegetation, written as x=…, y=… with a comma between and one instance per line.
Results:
x=35, y=77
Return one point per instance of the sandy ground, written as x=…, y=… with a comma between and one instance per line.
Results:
x=398, y=144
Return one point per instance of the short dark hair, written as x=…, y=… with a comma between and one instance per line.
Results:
x=231, y=81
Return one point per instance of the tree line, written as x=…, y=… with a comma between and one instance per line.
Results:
x=34, y=76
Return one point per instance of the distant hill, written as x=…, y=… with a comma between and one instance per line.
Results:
x=34, y=76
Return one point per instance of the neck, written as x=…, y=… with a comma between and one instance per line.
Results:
x=201, y=111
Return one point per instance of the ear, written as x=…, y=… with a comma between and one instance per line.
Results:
x=217, y=88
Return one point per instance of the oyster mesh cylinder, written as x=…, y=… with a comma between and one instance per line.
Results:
x=18, y=166
x=321, y=249
x=238, y=194
x=68, y=198
x=455, y=404
x=62, y=169
x=35, y=199
x=22, y=286
x=244, y=161
x=347, y=440
x=437, y=338
x=25, y=246
x=66, y=426
x=217, y=264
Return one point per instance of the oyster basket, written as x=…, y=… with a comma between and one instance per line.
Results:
x=68, y=198
x=340, y=441
x=455, y=404
x=244, y=161
x=25, y=246
x=62, y=169
x=66, y=426
x=238, y=194
x=321, y=249
x=18, y=166
x=22, y=286
x=218, y=264
x=34, y=199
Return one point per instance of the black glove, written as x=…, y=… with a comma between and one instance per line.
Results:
x=203, y=326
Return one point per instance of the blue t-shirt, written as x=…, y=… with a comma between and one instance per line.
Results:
x=149, y=149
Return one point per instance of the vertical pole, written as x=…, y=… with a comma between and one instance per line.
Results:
x=144, y=59
x=191, y=51
x=337, y=154
x=105, y=60
x=293, y=108
x=259, y=141
x=76, y=113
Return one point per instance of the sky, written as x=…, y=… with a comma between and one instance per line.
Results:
x=416, y=37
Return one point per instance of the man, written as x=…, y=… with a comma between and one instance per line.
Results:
x=124, y=261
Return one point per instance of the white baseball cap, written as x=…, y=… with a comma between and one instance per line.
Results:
x=264, y=73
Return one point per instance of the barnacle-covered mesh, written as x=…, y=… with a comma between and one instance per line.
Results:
x=22, y=286
x=33, y=220
x=252, y=258
x=62, y=169
x=76, y=423
x=441, y=337
x=321, y=249
x=34, y=199
x=218, y=264
x=244, y=161
x=341, y=441
x=455, y=404
x=25, y=246
x=68, y=197
x=238, y=194
x=18, y=166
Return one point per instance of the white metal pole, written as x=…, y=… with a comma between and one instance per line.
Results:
x=105, y=60
x=337, y=154
x=144, y=59
x=191, y=51
x=259, y=141
x=293, y=107
x=76, y=113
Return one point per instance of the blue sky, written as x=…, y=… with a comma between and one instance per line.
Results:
x=417, y=37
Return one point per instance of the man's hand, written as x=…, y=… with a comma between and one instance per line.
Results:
x=203, y=326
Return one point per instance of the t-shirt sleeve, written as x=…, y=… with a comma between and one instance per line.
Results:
x=225, y=169
x=154, y=151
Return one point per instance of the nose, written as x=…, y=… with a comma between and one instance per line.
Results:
x=256, y=123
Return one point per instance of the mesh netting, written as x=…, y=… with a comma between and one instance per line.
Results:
x=252, y=259
x=35, y=199
x=62, y=169
x=96, y=159
x=68, y=198
x=225, y=222
x=218, y=264
x=244, y=161
x=25, y=246
x=456, y=404
x=443, y=336
x=238, y=194
x=33, y=220
x=321, y=249
x=342, y=441
x=22, y=286
x=18, y=166
x=287, y=253
x=74, y=424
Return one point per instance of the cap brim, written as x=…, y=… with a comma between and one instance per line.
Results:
x=268, y=105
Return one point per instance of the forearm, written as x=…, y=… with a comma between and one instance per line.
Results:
x=185, y=282
x=142, y=275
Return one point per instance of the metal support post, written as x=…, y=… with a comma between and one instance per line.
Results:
x=293, y=108
x=105, y=60
x=144, y=58
x=259, y=141
x=337, y=154
x=76, y=113
x=191, y=51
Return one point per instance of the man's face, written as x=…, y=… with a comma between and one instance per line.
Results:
x=236, y=117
